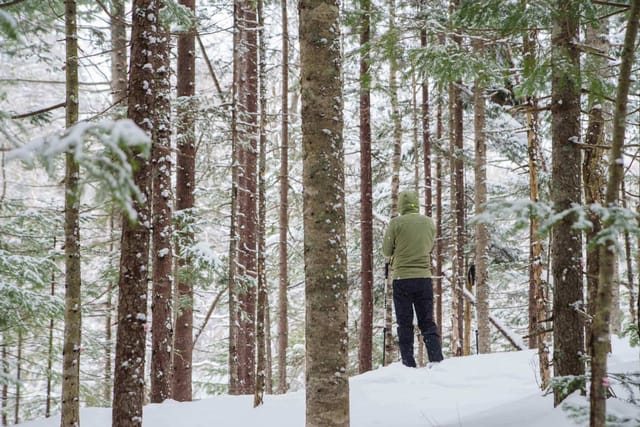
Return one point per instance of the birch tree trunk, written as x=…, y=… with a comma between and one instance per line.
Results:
x=162, y=253
x=482, y=232
x=283, y=213
x=568, y=330
x=70, y=407
x=326, y=339
x=366, y=196
x=128, y=389
x=600, y=340
x=184, y=205
x=118, y=52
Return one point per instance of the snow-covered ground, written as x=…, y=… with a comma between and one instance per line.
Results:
x=491, y=390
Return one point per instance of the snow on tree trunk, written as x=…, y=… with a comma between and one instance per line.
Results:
x=70, y=405
x=482, y=232
x=366, y=198
x=283, y=212
x=129, y=384
x=162, y=253
x=246, y=109
x=568, y=329
x=326, y=286
x=185, y=202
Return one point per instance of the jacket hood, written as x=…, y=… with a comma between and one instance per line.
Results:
x=408, y=202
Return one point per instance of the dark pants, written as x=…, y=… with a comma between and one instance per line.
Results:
x=410, y=294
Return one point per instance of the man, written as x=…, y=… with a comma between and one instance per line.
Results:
x=408, y=241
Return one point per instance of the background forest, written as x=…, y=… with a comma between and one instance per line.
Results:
x=518, y=123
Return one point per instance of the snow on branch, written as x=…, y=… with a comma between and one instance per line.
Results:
x=105, y=150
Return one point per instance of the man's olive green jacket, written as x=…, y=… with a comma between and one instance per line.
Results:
x=409, y=239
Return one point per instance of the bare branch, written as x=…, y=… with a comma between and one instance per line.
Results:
x=34, y=113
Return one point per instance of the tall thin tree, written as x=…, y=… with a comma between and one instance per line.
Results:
x=119, y=95
x=366, y=195
x=396, y=163
x=70, y=409
x=161, y=220
x=600, y=340
x=568, y=331
x=128, y=388
x=185, y=202
x=482, y=232
x=326, y=340
x=283, y=213
x=593, y=164
x=246, y=109
x=262, y=286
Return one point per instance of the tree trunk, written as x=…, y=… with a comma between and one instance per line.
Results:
x=396, y=161
x=162, y=252
x=440, y=242
x=246, y=104
x=18, y=394
x=50, y=350
x=70, y=407
x=326, y=284
x=482, y=232
x=426, y=134
x=128, y=389
x=262, y=289
x=4, y=396
x=568, y=330
x=118, y=52
x=600, y=340
x=629, y=263
x=119, y=95
x=234, y=381
x=108, y=320
x=593, y=165
x=184, y=205
x=283, y=280
x=366, y=196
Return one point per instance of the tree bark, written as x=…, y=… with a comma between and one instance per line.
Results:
x=162, y=253
x=18, y=393
x=568, y=330
x=326, y=285
x=366, y=196
x=128, y=389
x=184, y=205
x=482, y=232
x=4, y=396
x=118, y=52
x=246, y=99
x=118, y=97
x=283, y=213
x=440, y=242
x=593, y=165
x=396, y=160
x=50, y=350
x=600, y=340
x=70, y=407
x=262, y=289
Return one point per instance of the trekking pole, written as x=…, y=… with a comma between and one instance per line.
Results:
x=384, y=316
